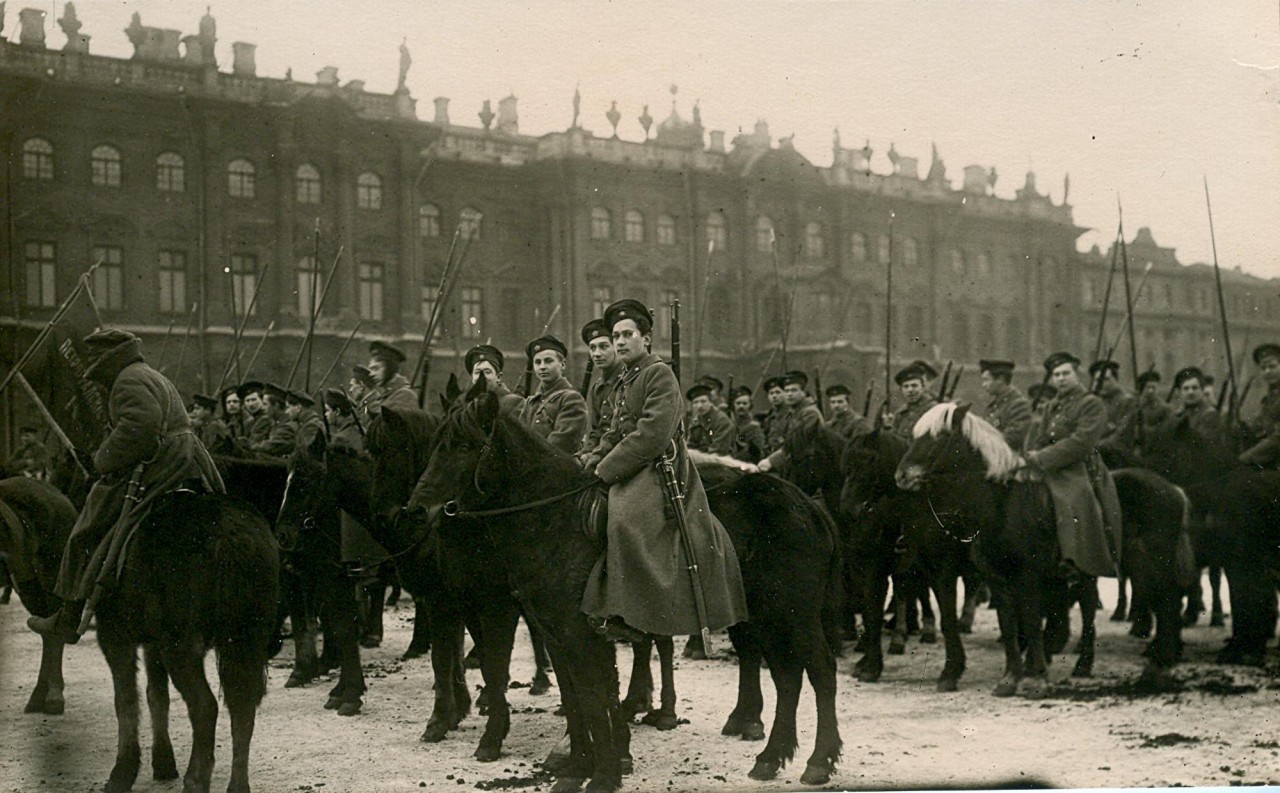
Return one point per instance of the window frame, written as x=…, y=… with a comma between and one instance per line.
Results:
x=242, y=179
x=108, y=278
x=717, y=230
x=665, y=230
x=41, y=272
x=37, y=162
x=171, y=276
x=429, y=212
x=601, y=223
x=308, y=185
x=633, y=226
x=371, y=289
x=171, y=172
x=106, y=166
x=766, y=234
x=369, y=192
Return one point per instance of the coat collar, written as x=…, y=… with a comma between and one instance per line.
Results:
x=108, y=366
x=562, y=384
x=644, y=363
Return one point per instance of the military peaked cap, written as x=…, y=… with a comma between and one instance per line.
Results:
x=1058, y=359
x=698, y=390
x=795, y=377
x=712, y=381
x=386, y=353
x=1149, y=376
x=543, y=343
x=273, y=391
x=1188, y=373
x=205, y=401
x=632, y=309
x=928, y=371
x=335, y=398
x=1100, y=366
x=251, y=387
x=228, y=391
x=363, y=376
x=595, y=329
x=483, y=352
x=909, y=372
x=739, y=391
x=839, y=389
x=772, y=383
x=298, y=397
x=1265, y=350
x=996, y=366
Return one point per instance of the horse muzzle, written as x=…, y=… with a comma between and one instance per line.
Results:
x=910, y=477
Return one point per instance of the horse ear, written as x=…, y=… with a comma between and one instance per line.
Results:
x=477, y=389
x=445, y=403
x=451, y=390
x=486, y=409
x=957, y=416
x=391, y=416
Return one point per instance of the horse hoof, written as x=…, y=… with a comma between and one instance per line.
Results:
x=753, y=731
x=34, y=705
x=816, y=775
x=414, y=652
x=946, y=684
x=602, y=785
x=1140, y=631
x=333, y=703
x=1120, y=614
x=370, y=642
x=868, y=676
x=1083, y=668
x=539, y=686
x=663, y=720
x=488, y=754
x=1157, y=679
x=633, y=707
x=965, y=627
x=928, y=638
x=296, y=680
x=1032, y=688
x=434, y=733
x=54, y=707
x=567, y=784
x=1007, y=687
x=626, y=765
x=763, y=771
x=897, y=649
x=350, y=708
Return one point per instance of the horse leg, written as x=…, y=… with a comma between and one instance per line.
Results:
x=664, y=718
x=574, y=769
x=928, y=622
x=500, y=635
x=1122, y=599
x=1088, y=630
x=1165, y=649
x=1056, y=602
x=452, y=700
x=306, y=665
x=871, y=665
x=186, y=668
x=901, y=596
x=1033, y=684
x=1253, y=603
x=420, y=644
x=972, y=588
x=600, y=674
x=745, y=719
x=371, y=627
x=344, y=624
x=821, y=668
x=1217, y=616
x=163, y=765
x=47, y=696
x=1007, y=614
x=788, y=677
x=1140, y=613
x=541, y=660
x=639, y=697
x=944, y=587
x=122, y=659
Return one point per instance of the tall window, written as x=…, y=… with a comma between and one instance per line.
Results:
x=105, y=161
x=371, y=291
x=633, y=226
x=601, y=297
x=472, y=310
x=42, y=273
x=858, y=247
x=983, y=263
x=511, y=304
x=37, y=159
x=960, y=334
x=429, y=220
x=244, y=281
x=600, y=224
x=171, y=173
x=662, y=324
x=717, y=231
x=884, y=247
x=910, y=252
x=666, y=230
x=307, y=184
x=368, y=191
x=764, y=234
x=308, y=279
x=240, y=179
x=987, y=334
x=108, y=279
x=815, y=246
x=469, y=221
x=957, y=261
x=172, y=271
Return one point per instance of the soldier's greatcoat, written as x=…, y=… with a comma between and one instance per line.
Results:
x=1010, y=412
x=280, y=442
x=750, y=445
x=558, y=414
x=1120, y=405
x=396, y=394
x=802, y=416
x=905, y=417
x=848, y=424
x=600, y=407
x=1266, y=426
x=1203, y=420
x=643, y=576
x=149, y=425
x=713, y=433
x=1063, y=444
x=259, y=427
x=216, y=437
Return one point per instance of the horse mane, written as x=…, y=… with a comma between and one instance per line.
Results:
x=706, y=458
x=1002, y=461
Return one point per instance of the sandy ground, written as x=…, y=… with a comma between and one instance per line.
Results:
x=1223, y=729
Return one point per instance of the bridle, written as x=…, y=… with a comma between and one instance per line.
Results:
x=923, y=481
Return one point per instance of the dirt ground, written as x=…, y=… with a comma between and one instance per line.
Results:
x=1222, y=729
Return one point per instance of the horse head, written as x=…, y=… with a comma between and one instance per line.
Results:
x=869, y=463
x=813, y=458
x=1186, y=457
x=304, y=491
x=463, y=444
x=948, y=439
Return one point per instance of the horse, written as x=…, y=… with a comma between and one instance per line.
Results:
x=892, y=531
x=310, y=540
x=499, y=465
x=35, y=521
x=201, y=573
x=961, y=462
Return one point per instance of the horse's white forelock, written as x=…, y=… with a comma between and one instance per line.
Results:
x=701, y=458
x=1002, y=461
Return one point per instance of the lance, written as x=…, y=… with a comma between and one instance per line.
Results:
x=1232, y=404
x=1244, y=350
x=48, y=328
x=182, y=351
x=164, y=347
x=448, y=283
x=1106, y=297
x=946, y=378
x=311, y=327
x=1124, y=257
x=586, y=377
x=254, y=358
x=235, y=315
x=817, y=388
x=435, y=310
x=239, y=329
x=338, y=358
x=21, y=380
x=527, y=383
x=866, y=401
x=675, y=337
x=1097, y=383
x=888, y=320
x=777, y=285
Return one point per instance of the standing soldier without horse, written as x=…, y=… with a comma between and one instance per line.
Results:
x=801, y=414
x=911, y=382
x=1265, y=426
x=557, y=412
x=646, y=581
x=149, y=451
x=710, y=431
x=750, y=444
x=1062, y=448
x=390, y=387
x=1008, y=410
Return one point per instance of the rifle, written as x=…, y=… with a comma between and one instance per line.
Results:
x=1233, y=405
x=955, y=383
x=1106, y=298
x=817, y=389
x=338, y=358
x=866, y=402
x=254, y=358
x=946, y=378
x=888, y=320
x=675, y=342
x=675, y=501
x=1133, y=338
x=311, y=328
x=586, y=377
x=1035, y=403
x=182, y=351
x=164, y=347
x=432, y=320
x=244, y=321
x=1097, y=382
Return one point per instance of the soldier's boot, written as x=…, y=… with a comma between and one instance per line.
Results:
x=64, y=625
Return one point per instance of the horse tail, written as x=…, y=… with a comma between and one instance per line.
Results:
x=247, y=573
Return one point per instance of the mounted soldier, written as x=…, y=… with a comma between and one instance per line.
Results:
x=911, y=381
x=212, y=431
x=1105, y=378
x=844, y=419
x=557, y=412
x=232, y=413
x=345, y=430
x=604, y=361
x=31, y=458
x=1062, y=449
x=771, y=421
x=710, y=431
x=1149, y=415
x=749, y=444
x=390, y=387
x=1007, y=410
x=149, y=451
x=717, y=392
x=485, y=360
x=283, y=437
x=1195, y=408
x=801, y=414
x=645, y=581
x=1265, y=426
x=257, y=418
x=360, y=388
x=300, y=409
x=1040, y=394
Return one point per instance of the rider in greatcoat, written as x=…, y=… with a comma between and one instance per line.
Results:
x=556, y=411
x=604, y=359
x=391, y=388
x=1266, y=425
x=1007, y=410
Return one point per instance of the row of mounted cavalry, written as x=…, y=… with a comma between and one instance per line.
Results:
x=502, y=527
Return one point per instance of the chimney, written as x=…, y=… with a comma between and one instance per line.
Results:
x=327, y=76
x=508, y=119
x=717, y=140
x=195, y=50
x=242, y=63
x=442, y=111
x=761, y=136
x=32, y=22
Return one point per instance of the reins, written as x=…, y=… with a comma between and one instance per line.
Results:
x=451, y=508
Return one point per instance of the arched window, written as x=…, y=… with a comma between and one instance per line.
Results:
x=956, y=258
x=37, y=159
x=858, y=247
x=884, y=247
x=307, y=184
x=764, y=234
x=368, y=191
x=469, y=221
x=666, y=230
x=429, y=220
x=601, y=224
x=633, y=226
x=171, y=174
x=240, y=179
x=717, y=231
x=815, y=246
x=105, y=161
x=910, y=252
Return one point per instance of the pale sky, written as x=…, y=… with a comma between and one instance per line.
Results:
x=1132, y=99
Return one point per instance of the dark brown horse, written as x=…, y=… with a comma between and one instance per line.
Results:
x=35, y=520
